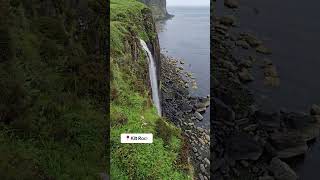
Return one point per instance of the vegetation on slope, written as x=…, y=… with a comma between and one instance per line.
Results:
x=131, y=108
x=52, y=89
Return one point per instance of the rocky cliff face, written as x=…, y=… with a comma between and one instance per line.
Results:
x=158, y=7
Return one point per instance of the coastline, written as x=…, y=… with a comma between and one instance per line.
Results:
x=265, y=139
x=184, y=111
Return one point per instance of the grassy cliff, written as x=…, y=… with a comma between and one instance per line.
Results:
x=53, y=89
x=131, y=107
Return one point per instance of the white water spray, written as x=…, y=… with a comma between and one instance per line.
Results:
x=153, y=77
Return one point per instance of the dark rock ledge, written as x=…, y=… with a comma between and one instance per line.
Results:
x=250, y=143
x=185, y=111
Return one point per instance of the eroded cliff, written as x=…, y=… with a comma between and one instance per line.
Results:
x=158, y=7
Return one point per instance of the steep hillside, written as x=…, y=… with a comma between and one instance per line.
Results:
x=53, y=89
x=131, y=106
x=158, y=8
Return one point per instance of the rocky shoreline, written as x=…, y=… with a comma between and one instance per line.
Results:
x=248, y=142
x=185, y=112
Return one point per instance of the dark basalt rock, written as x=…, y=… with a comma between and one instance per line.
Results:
x=289, y=144
x=267, y=120
x=222, y=111
x=315, y=110
x=304, y=124
x=282, y=170
x=231, y=3
x=243, y=147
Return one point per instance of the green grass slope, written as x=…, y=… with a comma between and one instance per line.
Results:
x=52, y=89
x=131, y=107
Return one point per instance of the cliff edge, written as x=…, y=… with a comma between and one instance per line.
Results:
x=131, y=107
x=158, y=7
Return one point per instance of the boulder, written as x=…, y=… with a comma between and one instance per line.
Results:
x=205, y=101
x=268, y=120
x=245, y=75
x=263, y=50
x=288, y=144
x=304, y=124
x=200, y=107
x=202, y=168
x=198, y=116
x=246, y=63
x=282, y=170
x=251, y=40
x=315, y=110
x=222, y=111
x=227, y=20
x=243, y=147
x=243, y=44
x=231, y=3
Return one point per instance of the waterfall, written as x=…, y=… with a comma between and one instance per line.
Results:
x=153, y=77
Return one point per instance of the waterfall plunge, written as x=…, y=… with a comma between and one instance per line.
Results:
x=153, y=77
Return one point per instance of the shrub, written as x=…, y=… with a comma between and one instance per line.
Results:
x=52, y=28
x=165, y=131
x=118, y=119
x=182, y=161
x=13, y=99
x=5, y=46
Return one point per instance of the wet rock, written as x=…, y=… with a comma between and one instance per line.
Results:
x=223, y=111
x=271, y=76
x=228, y=65
x=243, y=121
x=243, y=147
x=207, y=137
x=282, y=170
x=251, y=127
x=251, y=40
x=201, y=177
x=263, y=50
x=198, y=116
x=202, y=168
x=205, y=101
x=194, y=149
x=269, y=121
x=270, y=70
x=315, y=110
x=246, y=63
x=201, y=141
x=243, y=44
x=305, y=124
x=217, y=164
x=244, y=163
x=186, y=108
x=206, y=160
x=200, y=129
x=227, y=20
x=200, y=107
x=266, y=62
x=231, y=3
x=245, y=75
x=288, y=144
